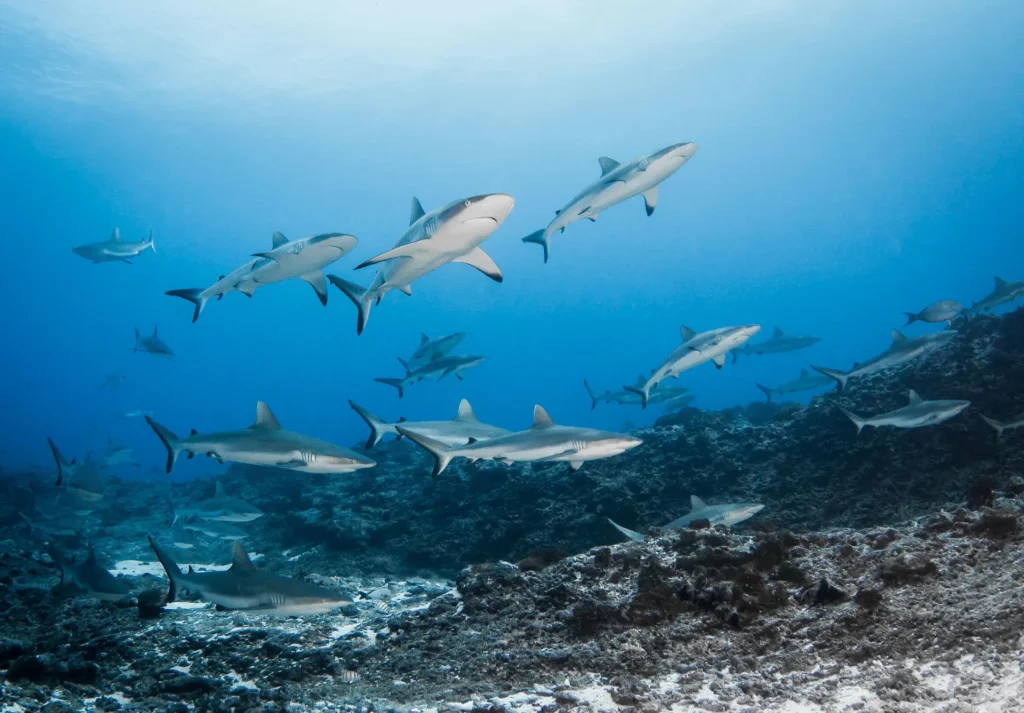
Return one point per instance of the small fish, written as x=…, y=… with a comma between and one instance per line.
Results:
x=348, y=677
x=383, y=607
x=944, y=311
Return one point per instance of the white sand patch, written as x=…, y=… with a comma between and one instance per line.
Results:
x=339, y=630
x=239, y=682
x=188, y=605
x=598, y=697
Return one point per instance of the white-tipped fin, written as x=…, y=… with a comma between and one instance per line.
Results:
x=915, y=398
x=481, y=261
x=465, y=412
x=696, y=503
x=265, y=418
x=541, y=418
x=650, y=199
x=278, y=239
x=631, y=534
x=607, y=166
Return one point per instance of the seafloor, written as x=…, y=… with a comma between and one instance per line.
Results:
x=886, y=573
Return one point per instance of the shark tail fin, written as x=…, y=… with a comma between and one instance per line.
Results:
x=377, y=426
x=911, y=318
x=858, y=421
x=27, y=521
x=138, y=339
x=174, y=573
x=361, y=298
x=541, y=238
x=171, y=442
x=62, y=462
x=735, y=355
x=643, y=391
x=839, y=376
x=440, y=452
x=590, y=393
x=766, y=390
x=150, y=244
x=631, y=534
x=999, y=426
x=397, y=383
x=193, y=295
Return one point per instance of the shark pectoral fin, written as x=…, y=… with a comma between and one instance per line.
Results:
x=558, y=456
x=267, y=256
x=318, y=283
x=575, y=464
x=407, y=290
x=481, y=261
x=246, y=288
x=650, y=199
x=294, y=463
x=411, y=250
x=215, y=456
x=719, y=361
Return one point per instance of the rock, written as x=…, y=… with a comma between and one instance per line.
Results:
x=906, y=567
x=868, y=598
x=995, y=523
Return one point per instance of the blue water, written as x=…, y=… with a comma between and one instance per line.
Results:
x=855, y=162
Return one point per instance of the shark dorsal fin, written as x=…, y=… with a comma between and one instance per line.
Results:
x=696, y=503
x=686, y=333
x=191, y=570
x=558, y=212
x=471, y=441
x=91, y=557
x=1000, y=282
x=417, y=211
x=265, y=417
x=898, y=336
x=221, y=277
x=541, y=418
x=641, y=380
x=278, y=239
x=239, y=559
x=219, y=490
x=116, y=237
x=193, y=432
x=777, y=333
x=915, y=398
x=424, y=339
x=155, y=328
x=607, y=165
x=803, y=372
x=465, y=412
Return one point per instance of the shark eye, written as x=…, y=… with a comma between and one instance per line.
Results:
x=467, y=204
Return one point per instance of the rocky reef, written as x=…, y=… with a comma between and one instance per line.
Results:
x=886, y=572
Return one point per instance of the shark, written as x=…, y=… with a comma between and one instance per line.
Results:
x=1002, y=293
x=915, y=414
x=451, y=233
x=727, y=514
x=113, y=381
x=696, y=349
x=215, y=528
x=1000, y=426
x=263, y=443
x=902, y=350
x=459, y=431
x=83, y=482
x=89, y=577
x=114, y=249
x=152, y=344
x=624, y=397
x=437, y=369
x=304, y=258
x=182, y=537
x=55, y=527
x=618, y=182
x=942, y=311
x=221, y=507
x=542, y=442
x=807, y=381
x=678, y=403
x=431, y=349
x=244, y=588
x=116, y=455
x=778, y=343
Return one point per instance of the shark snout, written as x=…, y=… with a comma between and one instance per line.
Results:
x=685, y=150
x=495, y=206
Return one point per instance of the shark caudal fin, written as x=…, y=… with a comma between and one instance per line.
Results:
x=377, y=426
x=643, y=391
x=439, y=451
x=62, y=463
x=858, y=421
x=361, y=298
x=999, y=426
x=911, y=318
x=593, y=399
x=193, y=295
x=149, y=243
x=542, y=238
x=839, y=376
x=138, y=340
x=631, y=534
x=766, y=390
x=397, y=383
x=174, y=573
x=171, y=442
